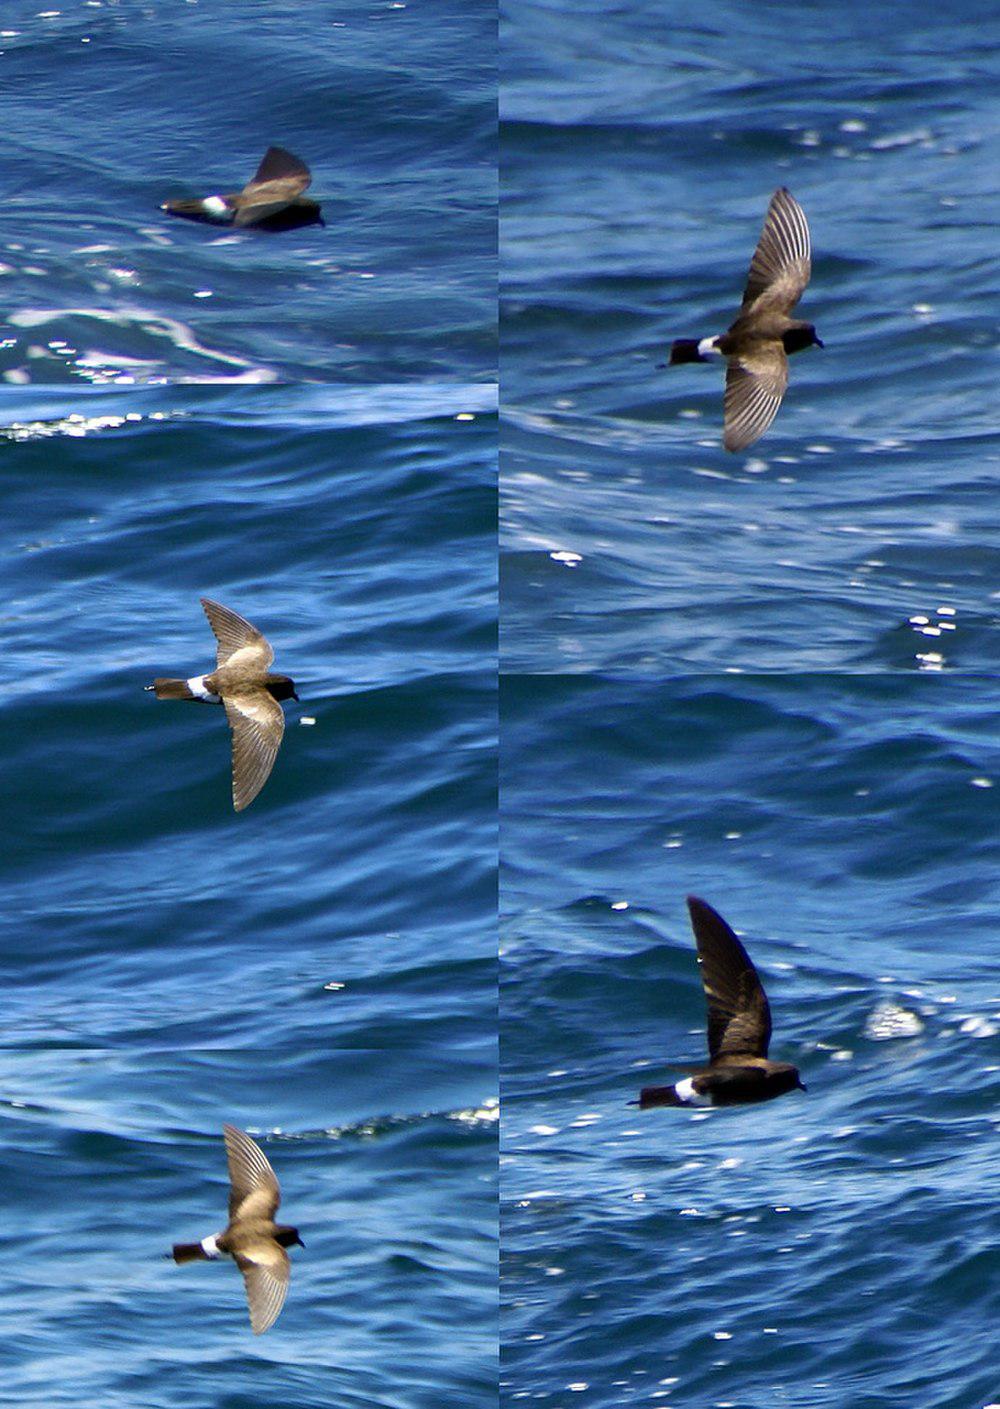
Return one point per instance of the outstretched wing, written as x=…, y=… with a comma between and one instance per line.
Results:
x=253, y=1191
x=755, y=383
x=781, y=265
x=258, y=723
x=266, y=1269
x=739, y=1019
x=234, y=633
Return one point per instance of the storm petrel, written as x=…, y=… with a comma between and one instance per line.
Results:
x=248, y=690
x=252, y=1238
x=739, y=1027
x=271, y=200
x=757, y=345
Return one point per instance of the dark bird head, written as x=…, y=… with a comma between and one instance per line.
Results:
x=785, y=1077
x=280, y=686
x=289, y=1237
x=803, y=335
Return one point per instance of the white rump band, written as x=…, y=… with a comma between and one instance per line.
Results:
x=197, y=687
x=685, y=1092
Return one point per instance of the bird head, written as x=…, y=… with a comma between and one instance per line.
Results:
x=801, y=336
x=281, y=687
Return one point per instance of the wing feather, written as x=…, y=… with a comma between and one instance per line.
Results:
x=782, y=261
x=739, y=1018
x=254, y=1190
x=277, y=164
x=266, y=1269
x=257, y=725
x=233, y=633
x=755, y=385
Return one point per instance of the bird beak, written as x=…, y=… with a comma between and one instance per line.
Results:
x=820, y=343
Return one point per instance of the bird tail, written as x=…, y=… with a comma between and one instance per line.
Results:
x=171, y=689
x=190, y=1252
x=658, y=1096
x=685, y=350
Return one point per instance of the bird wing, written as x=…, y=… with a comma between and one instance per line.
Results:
x=257, y=724
x=277, y=164
x=266, y=1268
x=755, y=383
x=739, y=1019
x=234, y=633
x=279, y=180
x=253, y=1191
x=780, y=268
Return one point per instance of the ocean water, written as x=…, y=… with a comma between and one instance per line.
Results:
x=766, y=679
x=829, y=1249
x=639, y=147
x=113, y=106
x=321, y=968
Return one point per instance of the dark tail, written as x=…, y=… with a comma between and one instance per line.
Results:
x=685, y=350
x=195, y=210
x=657, y=1096
x=189, y=1252
x=171, y=690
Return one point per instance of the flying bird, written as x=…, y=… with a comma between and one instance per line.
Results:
x=252, y=1238
x=757, y=345
x=248, y=690
x=271, y=200
x=739, y=1027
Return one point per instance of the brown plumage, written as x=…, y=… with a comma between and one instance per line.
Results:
x=249, y=692
x=757, y=345
x=252, y=1238
x=739, y=1027
x=271, y=200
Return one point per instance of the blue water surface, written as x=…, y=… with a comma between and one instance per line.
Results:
x=320, y=968
x=640, y=146
x=829, y=1249
x=112, y=107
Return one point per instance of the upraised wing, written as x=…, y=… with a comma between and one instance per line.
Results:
x=253, y=1191
x=781, y=265
x=234, y=633
x=278, y=181
x=739, y=1019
